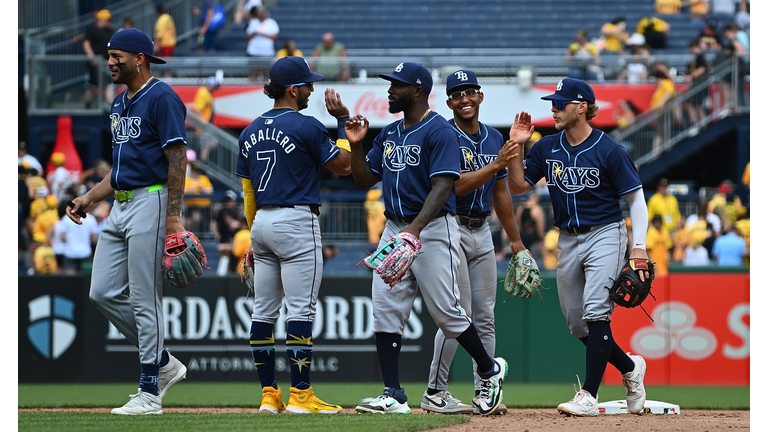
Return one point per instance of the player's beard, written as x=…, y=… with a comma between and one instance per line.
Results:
x=303, y=101
x=123, y=74
x=569, y=121
x=402, y=103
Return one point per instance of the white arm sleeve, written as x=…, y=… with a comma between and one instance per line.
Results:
x=638, y=214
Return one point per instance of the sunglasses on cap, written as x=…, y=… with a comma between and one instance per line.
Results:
x=310, y=85
x=460, y=94
x=560, y=104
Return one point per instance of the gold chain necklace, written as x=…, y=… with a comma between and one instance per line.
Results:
x=142, y=87
x=424, y=116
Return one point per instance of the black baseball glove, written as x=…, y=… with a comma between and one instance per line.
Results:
x=628, y=289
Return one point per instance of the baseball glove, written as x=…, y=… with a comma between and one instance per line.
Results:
x=523, y=276
x=184, y=259
x=394, y=257
x=628, y=290
x=246, y=269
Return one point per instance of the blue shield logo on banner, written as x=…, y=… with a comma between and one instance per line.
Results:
x=51, y=329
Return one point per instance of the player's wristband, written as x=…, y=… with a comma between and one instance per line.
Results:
x=342, y=133
x=343, y=144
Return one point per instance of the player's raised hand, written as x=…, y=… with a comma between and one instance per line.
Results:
x=522, y=129
x=356, y=129
x=507, y=152
x=334, y=105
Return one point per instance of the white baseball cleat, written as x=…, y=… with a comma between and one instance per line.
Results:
x=582, y=405
x=170, y=374
x=444, y=402
x=633, y=384
x=141, y=403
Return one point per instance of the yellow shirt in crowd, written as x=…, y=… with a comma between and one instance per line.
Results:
x=658, y=244
x=165, y=31
x=667, y=207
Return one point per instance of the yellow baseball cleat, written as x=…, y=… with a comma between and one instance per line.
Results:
x=305, y=402
x=271, y=401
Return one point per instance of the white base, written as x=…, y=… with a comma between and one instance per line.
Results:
x=651, y=407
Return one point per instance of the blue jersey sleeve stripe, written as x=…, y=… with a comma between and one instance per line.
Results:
x=375, y=172
x=174, y=139
x=631, y=190
x=528, y=180
x=333, y=153
x=437, y=173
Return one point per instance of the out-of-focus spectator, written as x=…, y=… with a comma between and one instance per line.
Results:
x=78, y=242
x=584, y=59
x=31, y=161
x=709, y=240
x=710, y=37
x=330, y=59
x=35, y=180
x=615, y=34
x=374, y=215
x=726, y=204
x=289, y=50
x=26, y=194
x=531, y=220
x=697, y=73
x=625, y=112
x=695, y=253
x=45, y=260
x=729, y=249
x=665, y=91
x=95, y=45
x=197, y=184
x=658, y=244
x=60, y=178
x=128, y=22
x=40, y=203
x=697, y=12
x=737, y=37
x=204, y=105
x=53, y=238
x=243, y=10
x=636, y=71
x=722, y=8
x=165, y=33
x=550, y=248
x=44, y=220
x=213, y=18
x=741, y=17
x=241, y=243
x=261, y=34
x=94, y=175
x=702, y=217
x=226, y=224
x=667, y=7
x=664, y=204
x=655, y=31
x=743, y=227
x=740, y=42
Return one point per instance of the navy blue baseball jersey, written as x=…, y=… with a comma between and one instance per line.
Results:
x=155, y=114
x=281, y=152
x=477, y=151
x=585, y=182
x=407, y=158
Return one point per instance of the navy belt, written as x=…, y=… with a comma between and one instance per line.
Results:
x=578, y=230
x=314, y=208
x=472, y=222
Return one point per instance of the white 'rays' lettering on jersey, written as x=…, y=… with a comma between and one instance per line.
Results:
x=268, y=134
x=397, y=157
x=571, y=179
x=472, y=161
x=124, y=128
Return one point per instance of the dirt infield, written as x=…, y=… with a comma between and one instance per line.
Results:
x=532, y=420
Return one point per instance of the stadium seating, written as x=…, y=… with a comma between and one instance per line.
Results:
x=395, y=24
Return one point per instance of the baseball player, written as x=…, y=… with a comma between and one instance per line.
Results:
x=281, y=154
x=147, y=181
x=587, y=173
x=417, y=160
x=484, y=160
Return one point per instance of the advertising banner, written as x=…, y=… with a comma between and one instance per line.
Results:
x=237, y=106
x=693, y=338
x=64, y=338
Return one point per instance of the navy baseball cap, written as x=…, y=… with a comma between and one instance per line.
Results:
x=135, y=41
x=461, y=78
x=411, y=73
x=569, y=89
x=292, y=70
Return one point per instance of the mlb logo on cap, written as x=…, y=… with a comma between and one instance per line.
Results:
x=569, y=89
x=411, y=73
x=461, y=78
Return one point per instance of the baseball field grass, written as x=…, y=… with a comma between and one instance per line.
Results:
x=247, y=395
